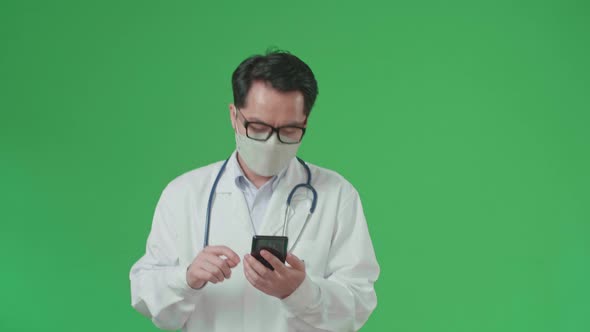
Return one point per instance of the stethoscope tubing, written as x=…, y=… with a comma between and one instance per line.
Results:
x=289, y=198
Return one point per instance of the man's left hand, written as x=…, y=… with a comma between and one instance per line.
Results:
x=279, y=283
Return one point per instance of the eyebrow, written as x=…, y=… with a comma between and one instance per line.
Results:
x=293, y=123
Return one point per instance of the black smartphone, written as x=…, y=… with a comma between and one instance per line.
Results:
x=276, y=245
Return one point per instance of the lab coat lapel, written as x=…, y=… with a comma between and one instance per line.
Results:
x=275, y=214
x=230, y=212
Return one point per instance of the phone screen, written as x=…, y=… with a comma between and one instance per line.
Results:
x=277, y=245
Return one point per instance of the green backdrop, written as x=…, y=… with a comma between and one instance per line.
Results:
x=464, y=126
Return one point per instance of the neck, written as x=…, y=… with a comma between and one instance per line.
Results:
x=257, y=180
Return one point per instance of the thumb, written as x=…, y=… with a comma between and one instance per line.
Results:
x=295, y=262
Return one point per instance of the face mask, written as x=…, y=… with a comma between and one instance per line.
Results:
x=266, y=158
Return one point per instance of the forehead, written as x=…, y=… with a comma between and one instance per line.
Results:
x=265, y=103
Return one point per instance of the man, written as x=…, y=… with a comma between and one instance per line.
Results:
x=200, y=276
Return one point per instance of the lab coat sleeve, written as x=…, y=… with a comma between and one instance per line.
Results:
x=159, y=289
x=345, y=298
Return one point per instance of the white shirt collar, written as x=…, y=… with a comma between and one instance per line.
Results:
x=241, y=179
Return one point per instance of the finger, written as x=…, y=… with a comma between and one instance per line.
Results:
x=251, y=279
x=206, y=275
x=213, y=269
x=221, y=264
x=252, y=276
x=234, y=259
x=295, y=262
x=274, y=261
x=256, y=266
x=227, y=252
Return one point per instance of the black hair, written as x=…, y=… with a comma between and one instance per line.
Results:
x=283, y=70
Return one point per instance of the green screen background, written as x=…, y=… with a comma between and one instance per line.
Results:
x=464, y=126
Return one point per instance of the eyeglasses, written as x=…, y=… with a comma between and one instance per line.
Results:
x=261, y=131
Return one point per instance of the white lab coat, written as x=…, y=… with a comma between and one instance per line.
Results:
x=336, y=295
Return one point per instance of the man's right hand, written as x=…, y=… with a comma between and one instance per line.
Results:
x=210, y=266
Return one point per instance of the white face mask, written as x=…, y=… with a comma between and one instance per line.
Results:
x=265, y=158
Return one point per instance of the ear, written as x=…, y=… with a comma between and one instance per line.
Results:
x=232, y=115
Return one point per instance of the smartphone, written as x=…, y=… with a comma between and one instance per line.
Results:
x=276, y=245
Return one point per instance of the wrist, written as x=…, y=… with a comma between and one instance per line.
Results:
x=293, y=289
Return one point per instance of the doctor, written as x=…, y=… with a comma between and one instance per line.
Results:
x=197, y=273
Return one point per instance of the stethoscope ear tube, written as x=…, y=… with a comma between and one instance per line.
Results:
x=300, y=232
x=290, y=197
x=210, y=203
x=308, y=186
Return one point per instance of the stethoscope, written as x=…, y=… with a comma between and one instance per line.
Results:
x=301, y=185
